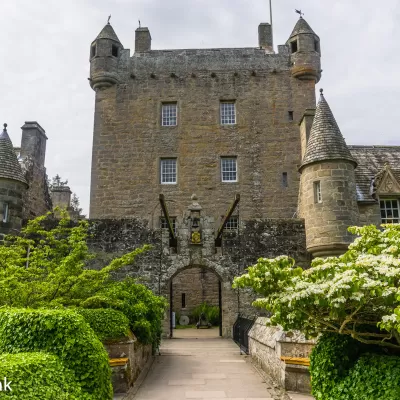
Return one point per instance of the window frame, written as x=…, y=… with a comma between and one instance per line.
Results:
x=392, y=209
x=232, y=225
x=6, y=212
x=317, y=192
x=224, y=118
x=229, y=158
x=163, y=223
x=165, y=106
x=93, y=50
x=162, y=173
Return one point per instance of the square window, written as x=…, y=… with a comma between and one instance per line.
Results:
x=317, y=192
x=228, y=113
x=6, y=214
x=168, y=171
x=390, y=211
x=229, y=169
x=169, y=114
x=164, y=225
x=232, y=224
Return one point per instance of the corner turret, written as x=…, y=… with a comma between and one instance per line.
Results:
x=105, y=52
x=13, y=186
x=305, y=49
x=328, y=197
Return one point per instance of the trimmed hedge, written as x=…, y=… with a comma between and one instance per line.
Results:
x=38, y=376
x=344, y=369
x=65, y=334
x=107, y=323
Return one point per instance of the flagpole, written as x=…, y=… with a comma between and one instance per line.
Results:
x=272, y=28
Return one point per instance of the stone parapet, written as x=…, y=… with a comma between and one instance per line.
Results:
x=268, y=344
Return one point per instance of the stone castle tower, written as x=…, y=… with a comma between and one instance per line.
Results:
x=211, y=121
x=328, y=197
x=23, y=186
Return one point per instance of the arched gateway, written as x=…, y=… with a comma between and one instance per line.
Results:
x=190, y=258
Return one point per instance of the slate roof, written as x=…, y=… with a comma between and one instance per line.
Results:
x=108, y=33
x=326, y=141
x=9, y=165
x=371, y=161
x=302, y=27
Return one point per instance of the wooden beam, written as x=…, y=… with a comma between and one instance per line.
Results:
x=172, y=238
x=218, y=239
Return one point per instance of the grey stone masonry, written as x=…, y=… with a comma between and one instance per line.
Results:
x=326, y=141
x=9, y=165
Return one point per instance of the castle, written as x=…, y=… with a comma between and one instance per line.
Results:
x=221, y=123
x=216, y=157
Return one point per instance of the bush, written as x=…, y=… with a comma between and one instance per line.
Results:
x=65, y=334
x=38, y=376
x=107, y=323
x=144, y=309
x=211, y=313
x=343, y=369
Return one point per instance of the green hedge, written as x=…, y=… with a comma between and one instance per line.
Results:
x=345, y=369
x=38, y=376
x=144, y=310
x=106, y=322
x=65, y=334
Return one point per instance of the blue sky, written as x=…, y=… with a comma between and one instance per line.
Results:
x=45, y=61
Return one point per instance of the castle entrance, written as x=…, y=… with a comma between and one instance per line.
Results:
x=195, y=304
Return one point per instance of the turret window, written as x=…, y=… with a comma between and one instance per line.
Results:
x=293, y=46
x=316, y=46
x=317, y=192
x=93, y=50
x=6, y=213
x=114, y=50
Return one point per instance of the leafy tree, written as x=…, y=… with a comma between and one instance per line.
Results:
x=351, y=294
x=75, y=204
x=45, y=266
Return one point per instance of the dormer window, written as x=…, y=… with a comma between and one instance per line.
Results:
x=293, y=46
x=93, y=51
x=114, y=50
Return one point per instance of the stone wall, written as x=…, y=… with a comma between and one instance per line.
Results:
x=129, y=140
x=369, y=214
x=124, y=376
x=327, y=221
x=11, y=192
x=161, y=264
x=268, y=344
x=198, y=285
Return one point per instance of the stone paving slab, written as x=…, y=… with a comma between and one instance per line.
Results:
x=205, y=369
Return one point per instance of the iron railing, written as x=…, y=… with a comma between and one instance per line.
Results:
x=241, y=330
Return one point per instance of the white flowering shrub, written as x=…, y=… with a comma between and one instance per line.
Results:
x=352, y=294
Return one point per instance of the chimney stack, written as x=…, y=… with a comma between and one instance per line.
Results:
x=142, y=40
x=265, y=36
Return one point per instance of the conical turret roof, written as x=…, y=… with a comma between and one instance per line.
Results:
x=9, y=165
x=302, y=27
x=108, y=33
x=326, y=141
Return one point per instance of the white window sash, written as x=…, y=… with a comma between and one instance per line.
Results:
x=229, y=170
